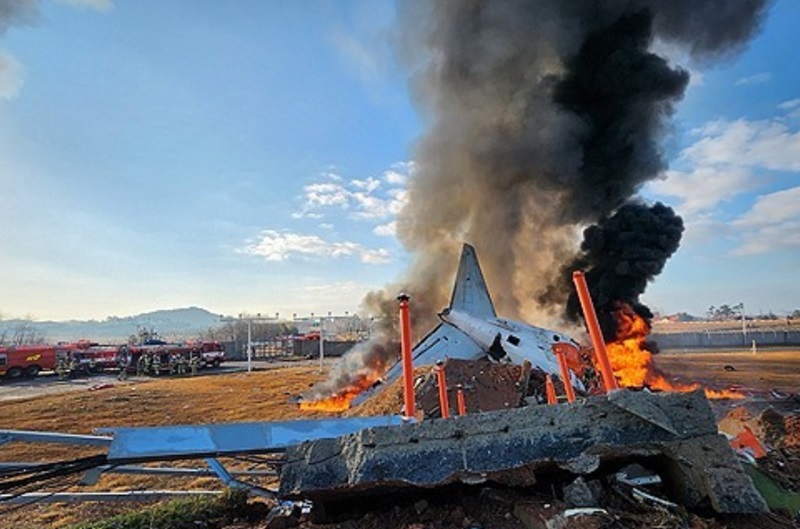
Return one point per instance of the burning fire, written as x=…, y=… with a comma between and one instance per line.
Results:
x=340, y=401
x=633, y=364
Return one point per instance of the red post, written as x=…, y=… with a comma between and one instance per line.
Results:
x=444, y=403
x=551, y=390
x=558, y=349
x=590, y=316
x=405, y=351
x=462, y=405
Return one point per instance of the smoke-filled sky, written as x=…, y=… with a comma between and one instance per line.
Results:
x=254, y=156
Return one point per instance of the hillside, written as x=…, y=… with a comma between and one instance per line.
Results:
x=171, y=324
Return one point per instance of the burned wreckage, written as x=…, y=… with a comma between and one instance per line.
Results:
x=334, y=461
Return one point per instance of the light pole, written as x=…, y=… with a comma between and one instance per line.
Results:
x=321, y=342
x=744, y=324
x=249, y=345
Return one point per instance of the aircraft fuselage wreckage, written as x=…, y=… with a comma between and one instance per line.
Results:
x=471, y=330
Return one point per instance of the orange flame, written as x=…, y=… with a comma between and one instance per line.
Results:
x=633, y=364
x=340, y=401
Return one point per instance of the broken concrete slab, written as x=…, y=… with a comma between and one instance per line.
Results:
x=515, y=447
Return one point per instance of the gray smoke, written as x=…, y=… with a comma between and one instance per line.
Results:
x=542, y=118
x=17, y=13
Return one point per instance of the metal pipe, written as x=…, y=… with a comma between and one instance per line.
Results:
x=405, y=350
x=462, y=405
x=558, y=349
x=550, y=389
x=158, y=471
x=76, y=497
x=444, y=403
x=26, y=436
x=590, y=317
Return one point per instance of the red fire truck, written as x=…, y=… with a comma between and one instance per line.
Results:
x=28, y=360
x=93, y=357
x=209, y=353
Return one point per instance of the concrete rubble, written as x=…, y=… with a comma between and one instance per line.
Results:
x=674, y=433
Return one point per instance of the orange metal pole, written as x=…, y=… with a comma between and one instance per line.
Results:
x=462, y=405
x=551, y=390
x=444, y=403
x=405, y=351
x=590, y=316
x=565, y=378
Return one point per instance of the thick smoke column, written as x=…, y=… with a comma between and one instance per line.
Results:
x=545, y=117
x=542, y=117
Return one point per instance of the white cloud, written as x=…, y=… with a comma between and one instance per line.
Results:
x=702, y=188
x=326, y=194
x=280, y=246
x=789, y=105
x=793, y=106
x=11, y=75
x=386, y=230
x=394, y=178
x=759, y=78
x=369, y=185
x=97, y=5
x=370, y=199
x=769, y=144
x=326, y=226
x=731, y=158
x=772, y=223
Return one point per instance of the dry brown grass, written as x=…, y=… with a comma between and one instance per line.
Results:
x=241, y=397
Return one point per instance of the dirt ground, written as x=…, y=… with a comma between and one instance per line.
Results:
x=761, y=372
x=262, y=396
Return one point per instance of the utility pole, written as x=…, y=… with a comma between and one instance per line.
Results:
x=744, y=324
x=321, y=342
x=249, y=345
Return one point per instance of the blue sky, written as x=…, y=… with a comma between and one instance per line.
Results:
x=251, y=156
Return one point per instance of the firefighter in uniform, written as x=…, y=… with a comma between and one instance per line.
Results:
x=62, y=369
x=156, y=365
x=141, y=365
x=74, y=365
x=194, y=364
x=181, y=365
x=123, y=369
x=172, y=363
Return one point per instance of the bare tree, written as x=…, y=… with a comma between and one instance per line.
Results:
x=23, y=333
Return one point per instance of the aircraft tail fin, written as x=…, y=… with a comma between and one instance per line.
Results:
x=470, y=294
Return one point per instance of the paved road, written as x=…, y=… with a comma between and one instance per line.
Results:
x=48, y=383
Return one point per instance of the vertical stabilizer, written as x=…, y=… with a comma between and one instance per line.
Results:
x=470, y=294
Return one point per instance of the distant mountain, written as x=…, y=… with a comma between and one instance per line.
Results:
x=171, y=324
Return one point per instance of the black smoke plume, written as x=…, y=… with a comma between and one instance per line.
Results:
x=621, y=255
x=543, y=117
